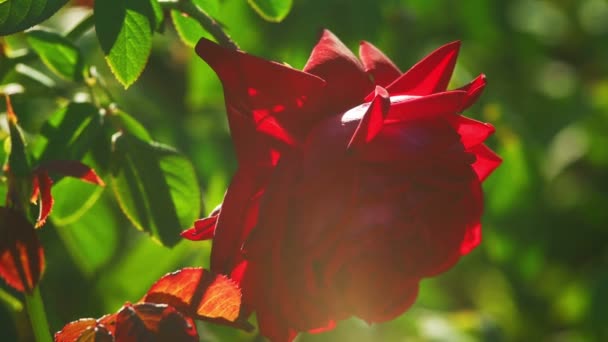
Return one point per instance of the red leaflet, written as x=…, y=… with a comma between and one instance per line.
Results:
x=21, y=255
x=132, y=323
x=200, y=294
x=153, y=322
x=85, y=329
x=72, y=168
x=41, y=183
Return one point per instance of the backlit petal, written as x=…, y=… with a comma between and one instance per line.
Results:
x=347, y=81
x=377, y=64
x=487, y=161
x=431, y=75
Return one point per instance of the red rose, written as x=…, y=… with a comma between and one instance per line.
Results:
x=355, y=181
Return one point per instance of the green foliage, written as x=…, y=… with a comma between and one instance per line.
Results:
x=124, y=29
x=272, y=10
x=18, y=15
x=58, y=53
x=539, y=273
x=156, y=187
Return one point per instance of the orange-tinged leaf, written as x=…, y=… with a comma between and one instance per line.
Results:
x=200, y=294
x=153, y=322
x=72, y=168
x=89, y=330
x=21, y=255
x=96, y=333
x=43, y=183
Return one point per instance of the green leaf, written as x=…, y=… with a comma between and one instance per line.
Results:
x=18, y=158
x=70, y=132
x=125, y=122
x=272, y=10
x=124, y=29
x=18, y=15
x=58, y=54
x=92, y=238
x=156, y=187
x=190, y=30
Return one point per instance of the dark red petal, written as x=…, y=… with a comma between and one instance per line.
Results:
x=255, y=89
x=372, y=121
x=425, y=107
x=486, y=162
x=472, y=132
x=21, y=254
x=46, y=198
x=431, y=75
x=237, y=218
x=474, y=90
x=378, y=65
x=347, y=81
x=72, y=168
x=203, y=229
x=472, y=238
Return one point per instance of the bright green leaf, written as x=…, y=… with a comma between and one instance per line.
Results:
x=58, y=54
x=272, y=10
x=18, y=15
x=125, y=122
x=190, y=30
x=70, y=132
x=156, y=187
x=124, y=29
x=92, y=239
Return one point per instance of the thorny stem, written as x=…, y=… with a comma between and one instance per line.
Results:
x=209, y=24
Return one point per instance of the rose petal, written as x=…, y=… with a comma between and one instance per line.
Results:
x=474, y=90
x=472, y=132
x=486, y=162
x=372, y=121
x=203, y=229
x=241, y=203
x=377, y=64
x=425, y=107
x=347, y=81
x=472, y=238
x=431, y=75
x=255, y=89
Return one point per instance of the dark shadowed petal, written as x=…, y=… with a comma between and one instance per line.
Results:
x=431, y=75
x=424, y=107
x=487, y=161
x=347, y=81
x=255, y=89
x=472, y=132
x=377, y=64
x=237, y=217
x=372, y=121
x=474, y=90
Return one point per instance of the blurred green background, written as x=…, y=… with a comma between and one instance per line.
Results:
x=541, y=273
